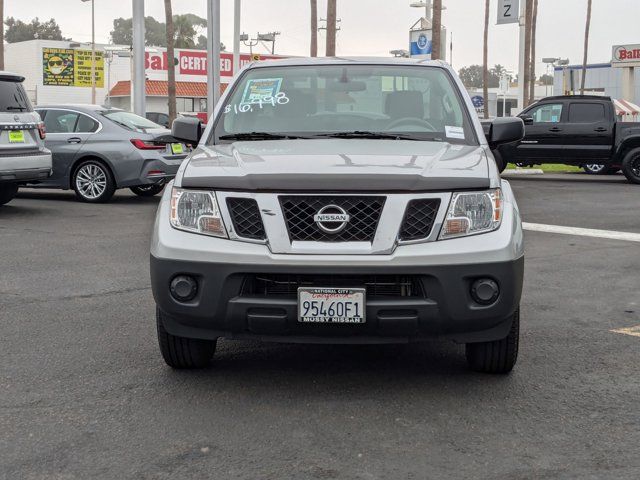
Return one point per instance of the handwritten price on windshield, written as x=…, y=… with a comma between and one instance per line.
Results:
x=279, y=99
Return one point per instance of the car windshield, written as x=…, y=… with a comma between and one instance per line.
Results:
x=407, y=102
x=13, y=98
x=131, y=121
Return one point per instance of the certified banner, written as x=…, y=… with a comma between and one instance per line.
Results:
x=64, y=67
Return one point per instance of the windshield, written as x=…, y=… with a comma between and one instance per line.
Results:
x=131, y=121
x=345, y=101
x=13, y=98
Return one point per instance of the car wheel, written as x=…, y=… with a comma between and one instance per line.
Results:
x=498, y=356
x=147, y=190
x=7, y=192
x=631, y=166
x=93, y=182
x=183, y=353
x=595, y=169
x=500, y=163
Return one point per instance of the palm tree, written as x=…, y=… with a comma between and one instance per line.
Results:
x=532, y=77
x=314, y=28
x=171, y=67
x=485, y=59
x=331, y=28
x=586, y=47
x=1, y=34
x=527, y=51
x=436, y=48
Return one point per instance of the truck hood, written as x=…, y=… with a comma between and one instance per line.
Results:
x=337, y=165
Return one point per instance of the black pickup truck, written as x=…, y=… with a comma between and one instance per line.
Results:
x=576, y=130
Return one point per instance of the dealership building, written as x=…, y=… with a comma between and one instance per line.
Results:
x=60, y=72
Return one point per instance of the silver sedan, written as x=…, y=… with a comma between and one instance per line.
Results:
x=97, y=150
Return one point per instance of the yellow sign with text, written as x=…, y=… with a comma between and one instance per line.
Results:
x=71, y=68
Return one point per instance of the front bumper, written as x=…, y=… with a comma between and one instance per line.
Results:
x=445, y=270
x=222, y=309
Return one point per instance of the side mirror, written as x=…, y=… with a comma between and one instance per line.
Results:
x=187, y=129
x=505, y=130
x=527, y=119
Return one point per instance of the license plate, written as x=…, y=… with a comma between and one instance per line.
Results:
x=177, y=148
x=16, y=136
x=331, y=305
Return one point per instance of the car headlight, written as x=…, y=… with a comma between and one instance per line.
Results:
x=196, y=211
x=471, y=213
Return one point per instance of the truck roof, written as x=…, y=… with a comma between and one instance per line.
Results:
x=576, y=97
x=300, y=61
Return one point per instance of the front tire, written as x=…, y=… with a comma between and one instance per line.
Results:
x=147, y=190
x=499, y=356
x=93, y=182
x=7, y=192
x=183, y=353
x=631, y=166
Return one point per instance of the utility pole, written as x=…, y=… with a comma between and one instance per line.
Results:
x=2, y=35
x=527, y=52
x=532, y=69
x=171, y=67
x=331, y=28
x=213, y=55
x=236, y=36
x=138, y=80
x=313, y=49
x=436, y=48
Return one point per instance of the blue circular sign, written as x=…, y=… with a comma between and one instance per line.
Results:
x=477, y=101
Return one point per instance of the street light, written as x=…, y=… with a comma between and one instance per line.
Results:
x=93, y=50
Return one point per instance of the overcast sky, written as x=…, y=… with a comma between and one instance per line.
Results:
x=373, y=27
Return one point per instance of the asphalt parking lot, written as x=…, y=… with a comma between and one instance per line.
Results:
x=84, y=392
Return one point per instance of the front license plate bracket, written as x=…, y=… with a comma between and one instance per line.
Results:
x=332, y=305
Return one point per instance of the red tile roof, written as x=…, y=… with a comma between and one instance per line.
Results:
x=159, y=88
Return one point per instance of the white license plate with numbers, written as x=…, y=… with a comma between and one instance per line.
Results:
x=331, y=305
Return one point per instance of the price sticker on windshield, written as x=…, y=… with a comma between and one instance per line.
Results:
x=16, y=136
x=259, y=88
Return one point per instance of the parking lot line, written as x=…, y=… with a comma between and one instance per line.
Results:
x=583, y=232
x=633, y=331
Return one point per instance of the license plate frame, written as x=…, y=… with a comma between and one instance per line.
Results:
x=353, y=300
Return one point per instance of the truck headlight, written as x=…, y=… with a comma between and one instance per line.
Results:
x=471, y=213
x=196, y=211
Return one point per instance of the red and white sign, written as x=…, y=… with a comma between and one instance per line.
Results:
x=626, y=56
x=194, y=62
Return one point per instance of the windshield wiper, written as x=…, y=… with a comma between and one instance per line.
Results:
x=370, y=135
x=259, y=136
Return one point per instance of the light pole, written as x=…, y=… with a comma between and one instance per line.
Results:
x=93, y=50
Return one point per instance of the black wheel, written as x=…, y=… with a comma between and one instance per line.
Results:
x=7, y=192
x=596, y=169
x=498, y=356
x=147, y=190
x=500, y=162
x=93, y=182
x=183, y=353
x=631, y=166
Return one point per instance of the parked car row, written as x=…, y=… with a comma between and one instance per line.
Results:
x=91, y=149
x=576, y=130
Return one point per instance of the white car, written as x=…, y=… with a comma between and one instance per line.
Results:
x=23, y=157
x=340, y=201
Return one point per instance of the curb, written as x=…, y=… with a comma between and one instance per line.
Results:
x=522, y=171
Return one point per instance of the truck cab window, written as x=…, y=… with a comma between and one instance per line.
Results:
x=550, y=113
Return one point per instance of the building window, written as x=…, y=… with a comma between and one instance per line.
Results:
x=184, y=104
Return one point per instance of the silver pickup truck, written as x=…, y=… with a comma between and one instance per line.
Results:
x=23, y=157
x=340, y=200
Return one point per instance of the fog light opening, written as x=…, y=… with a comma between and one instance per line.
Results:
x=485, y=291
x=183, y=288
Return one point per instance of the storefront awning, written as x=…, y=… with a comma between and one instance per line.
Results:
x=160, y=88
